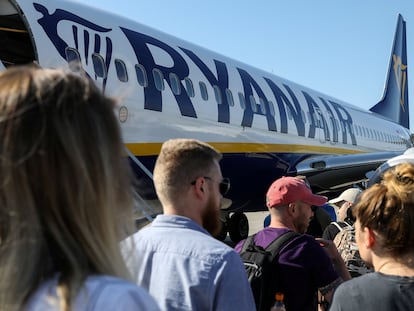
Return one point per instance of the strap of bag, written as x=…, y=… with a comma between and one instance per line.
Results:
x=249, y=241
x=337, y=225
x=280, y=241
x=348, y=225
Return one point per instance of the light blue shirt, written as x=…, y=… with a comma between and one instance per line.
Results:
x=184, y=268
x=98, y=293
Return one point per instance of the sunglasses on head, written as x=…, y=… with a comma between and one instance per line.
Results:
x=224, y=185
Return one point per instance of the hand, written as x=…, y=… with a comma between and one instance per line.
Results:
x=329, y=248
x=335, y=257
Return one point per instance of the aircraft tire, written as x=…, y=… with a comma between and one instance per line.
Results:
x=239, y=227
x=221, y=236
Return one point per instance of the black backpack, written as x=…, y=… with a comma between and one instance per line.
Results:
x=262, y=268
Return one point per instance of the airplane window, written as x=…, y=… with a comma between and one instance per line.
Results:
x=271, y=108
x=253, y=104
x=141, y=75
x=175, y=84
x=262, y=105
x=303, y=115
x=351, y=129
x=337, y=125
x=217, y=94
x=310, y=117
x=73, y=59
x=289, y=112
x=121, y=70
x=229, y=96
x=203, y=90
x=189, y=87
x=316, y=118
x=242, y=101
x=99, y=65
x=158, y=79
x=332, y=121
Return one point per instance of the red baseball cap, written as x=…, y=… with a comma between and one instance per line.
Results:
x=287, y=190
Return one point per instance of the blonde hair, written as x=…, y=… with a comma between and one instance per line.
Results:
x=388, y=208
x=179, y=163
x=65, y=185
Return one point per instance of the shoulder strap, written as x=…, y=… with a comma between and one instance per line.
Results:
x=348, y=225
x=337, y=225
x=280, y=241
x=249, y=241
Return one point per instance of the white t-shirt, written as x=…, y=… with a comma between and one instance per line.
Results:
x=100, y=292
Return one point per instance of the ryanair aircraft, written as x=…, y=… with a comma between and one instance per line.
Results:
x=265, y=126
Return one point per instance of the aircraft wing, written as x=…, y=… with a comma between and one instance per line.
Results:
x=332, y=173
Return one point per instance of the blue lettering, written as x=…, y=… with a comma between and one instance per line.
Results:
x=248, y=83
x=153, y=97
x=49, y=24
x=282, y=102
x=222, y=81
x=332, y=120
x=345, y=120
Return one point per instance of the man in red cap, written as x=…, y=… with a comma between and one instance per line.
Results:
x=306, y=265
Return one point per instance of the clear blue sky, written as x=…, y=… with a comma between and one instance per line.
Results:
x=340, y=48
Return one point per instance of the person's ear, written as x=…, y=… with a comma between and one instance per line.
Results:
x=198, y=186
x=371, y=238
x=292, y=208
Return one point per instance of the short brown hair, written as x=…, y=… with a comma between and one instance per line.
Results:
x=179, y=163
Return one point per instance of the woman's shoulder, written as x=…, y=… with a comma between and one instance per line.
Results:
x=99, y=292
x=106, y=292
x=362, y=284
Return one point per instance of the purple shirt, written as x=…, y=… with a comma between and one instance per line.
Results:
x=304, y=268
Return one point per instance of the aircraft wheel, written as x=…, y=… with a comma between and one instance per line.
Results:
x=221, y=236
x=239, y=227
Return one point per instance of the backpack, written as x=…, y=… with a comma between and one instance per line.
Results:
x=348, y=249
x=261, y=270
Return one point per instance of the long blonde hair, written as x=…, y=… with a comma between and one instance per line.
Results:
x=65, y=185
x=388, y=208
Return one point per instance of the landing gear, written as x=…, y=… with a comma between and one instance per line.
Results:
x=238, y=227
x=223, y=233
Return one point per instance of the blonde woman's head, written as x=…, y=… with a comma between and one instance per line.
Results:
x=65, y=185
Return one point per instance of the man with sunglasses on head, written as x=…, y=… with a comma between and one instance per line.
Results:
x=305, y=265
x=176, y=258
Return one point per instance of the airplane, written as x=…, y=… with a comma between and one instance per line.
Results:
x=265, y=126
